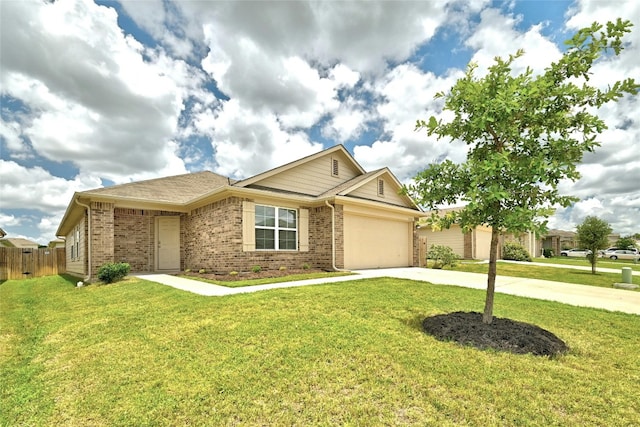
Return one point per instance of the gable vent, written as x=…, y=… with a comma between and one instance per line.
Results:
x=334, y=167
x=380, y=187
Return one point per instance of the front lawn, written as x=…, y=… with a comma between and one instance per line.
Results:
x=583, y=262
x=351, y=353
x=557, y=274
x=263, y=277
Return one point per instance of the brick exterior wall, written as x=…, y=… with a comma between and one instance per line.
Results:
x=416, y=249
x=320, y=237
x=210, y=239
x=101, y=235
x=135, y=237
x=213, y=241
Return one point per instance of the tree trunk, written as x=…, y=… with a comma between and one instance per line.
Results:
x=487, y=317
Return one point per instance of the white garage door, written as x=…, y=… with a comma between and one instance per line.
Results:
x=377, y=243
x=451, y=237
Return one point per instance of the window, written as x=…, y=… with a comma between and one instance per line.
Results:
x=380, y=187
x=77, y=241
x=276, y=228
x=334, y=167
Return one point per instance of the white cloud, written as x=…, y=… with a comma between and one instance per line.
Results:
x=496, y=35
x=35, y=188
x=406, y=95
x=247, y=143
x=8, y=220
x=94, y=97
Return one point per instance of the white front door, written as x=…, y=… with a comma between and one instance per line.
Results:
x=168, y=243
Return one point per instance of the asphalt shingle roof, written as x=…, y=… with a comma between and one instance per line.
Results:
x=172, y=189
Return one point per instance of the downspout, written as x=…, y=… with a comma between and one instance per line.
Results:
x=88, y=278
x=333, y=237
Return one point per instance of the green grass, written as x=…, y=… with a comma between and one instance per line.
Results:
x=254, y=282
x=556, y=274
x=602, y=262
x=139, y=353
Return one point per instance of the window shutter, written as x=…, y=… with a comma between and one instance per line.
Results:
x=303, y=230
x=248, y=226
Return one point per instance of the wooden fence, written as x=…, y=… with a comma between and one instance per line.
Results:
x=19, y=263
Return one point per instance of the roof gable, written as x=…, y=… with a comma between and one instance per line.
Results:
x=311, y=175
x=369, y=187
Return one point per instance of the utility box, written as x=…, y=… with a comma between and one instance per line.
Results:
x=626, y=274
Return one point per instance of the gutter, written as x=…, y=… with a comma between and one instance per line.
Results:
x=333, y=237
x=88, y=278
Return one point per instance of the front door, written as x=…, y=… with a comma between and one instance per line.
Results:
x=168, y=243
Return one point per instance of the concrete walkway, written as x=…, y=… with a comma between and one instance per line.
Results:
x=578, y=295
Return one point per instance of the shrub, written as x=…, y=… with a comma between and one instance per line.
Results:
x=256, y=269
x=547, y=253
x=306, y=266
x=202, y=271
x=442, y=256
x=283, y=268
x=112, y=272
x=233, y=273
x=515, y=252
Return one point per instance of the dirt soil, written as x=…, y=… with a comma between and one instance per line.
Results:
x=248, y=275
x=467, y=328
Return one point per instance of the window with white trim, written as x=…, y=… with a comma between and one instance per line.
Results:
x=276, y=228
x=77, y=241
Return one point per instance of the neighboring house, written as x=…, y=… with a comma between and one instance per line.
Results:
x=323, y=211
x=475, y=244
x=17, y=242
x=559, y=240
x=2, y=233
x=58, y=243
x=472, y=245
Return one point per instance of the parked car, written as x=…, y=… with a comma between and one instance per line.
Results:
x=613, y=249
x=615, y=253
x=575, y=252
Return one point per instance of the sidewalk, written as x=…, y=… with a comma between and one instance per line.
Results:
x=578, y=295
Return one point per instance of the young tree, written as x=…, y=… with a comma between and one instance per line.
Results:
x=627, y=242
x=525, y=133
x=593, y=234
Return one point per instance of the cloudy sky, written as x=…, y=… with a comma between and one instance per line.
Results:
x=101, y=93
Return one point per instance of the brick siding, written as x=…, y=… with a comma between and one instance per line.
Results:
x=213, y=241
x=102, y=234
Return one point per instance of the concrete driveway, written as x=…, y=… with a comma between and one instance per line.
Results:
x=578, y=295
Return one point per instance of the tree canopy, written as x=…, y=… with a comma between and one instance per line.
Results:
x=525, y=134
x=627, y=242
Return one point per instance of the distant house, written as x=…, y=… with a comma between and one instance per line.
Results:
x=17, y=242
x=559, y=240
x=2, y=233
x=58, y=243
x=475, y=244
x=322, y=211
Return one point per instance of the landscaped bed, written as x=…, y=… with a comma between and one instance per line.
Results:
x=350, y=353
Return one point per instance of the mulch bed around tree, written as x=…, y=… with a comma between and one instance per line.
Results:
x=467, y=328
x=248, y=275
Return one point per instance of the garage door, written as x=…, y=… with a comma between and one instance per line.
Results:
x=451, y=237
x=376, y=243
